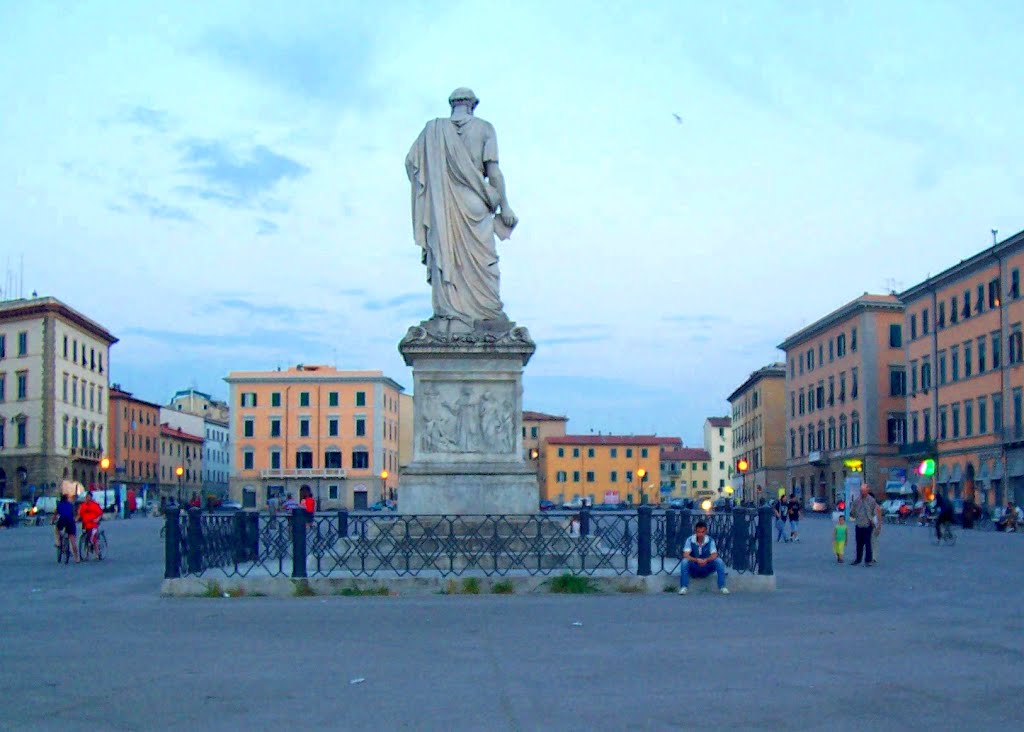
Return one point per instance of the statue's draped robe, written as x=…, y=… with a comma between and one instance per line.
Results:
x=453, y=209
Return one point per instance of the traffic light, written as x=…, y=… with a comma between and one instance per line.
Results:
x=926, y=468
x=742, y=465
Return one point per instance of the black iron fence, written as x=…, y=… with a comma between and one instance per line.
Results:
x=641, y=542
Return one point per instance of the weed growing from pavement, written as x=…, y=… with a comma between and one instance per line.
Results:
x=504, y=587
x=572, y=584
x=360, y=592
x=631, y=588
x=301, y=588
x=213, y=590
x=470, y=586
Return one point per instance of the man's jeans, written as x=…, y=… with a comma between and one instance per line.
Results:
x=693, y=569
x=863, y=536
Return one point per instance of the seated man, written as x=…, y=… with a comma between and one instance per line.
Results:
x=700, y=559
x=1009, y=520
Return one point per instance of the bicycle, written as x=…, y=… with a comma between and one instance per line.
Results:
x=64, y=547
x=99, y=546
x=947, y=535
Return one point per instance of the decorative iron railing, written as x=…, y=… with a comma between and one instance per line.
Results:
x=640, y=541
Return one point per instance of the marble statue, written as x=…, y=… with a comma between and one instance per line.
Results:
x=459, y=204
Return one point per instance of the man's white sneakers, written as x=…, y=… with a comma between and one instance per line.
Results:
x=725, y=590
x=682, y=590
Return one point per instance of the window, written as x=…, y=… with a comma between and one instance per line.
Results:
x=842, y=387
x=303, y=398
x=831, y=352
x=942, y=368
x=982, y=415
x=23, y=385
x=304, y=427
x=819, y=396
x=614, y=452
x=332, y=493
x=979, y=301
x=332, y=459
x=275, y=459
x=913, y=327
x=966, y=312
x=575, y=452
x=981, y=355
x=821, y=357
x=560, y=476
x=629, y=452
x=275, y=427
x=810, y=359
x=968, y=360
x=590, y=452
x=561, y=452
x=22, y=432
x=533, y=433
x=23, y=343
x=575, y=476
x=897, y=382
x=247, y=460
x=332, y=427
x=853, y=384
x=360, y=398
x=997, y=412
x=854, y=430
x=954, y=360
x=248, y=399
x=590, y=476
x=942, y=423
x=304, y=459
x=360, y=459
x=924, y=322
x=993, y=294
x=954, y=311
x=1014, y=284
x=968, y=418
x=955, y=410
x=853, y=339
x=332, y=399
x=629, y=476
x=275, y=399
x=360, y=426
x=895, y=335
x=613, y=477
x=831, y=390
x=896, y=429
x=940, y=317
x=1015, y=344
x=913, y=377
x=995, y=350
x=841, y=345
x=643, y=452
x=1017, y=416
x=927, y=420
x=248, y=427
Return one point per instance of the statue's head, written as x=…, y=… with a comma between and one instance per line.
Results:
x=463, y=95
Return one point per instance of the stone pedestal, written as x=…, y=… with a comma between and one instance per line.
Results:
x=467, y=429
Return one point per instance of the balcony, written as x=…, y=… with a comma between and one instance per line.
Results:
x=300, y=473
x=817, y=457
x=921, y=448
x=87, y=453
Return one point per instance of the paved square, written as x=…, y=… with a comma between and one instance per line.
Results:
x=930, y=638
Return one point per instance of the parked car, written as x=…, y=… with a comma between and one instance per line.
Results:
x=819, y=505
x=547, y=505
x=681, y=503
x=382, y=506
x=229, y=506
x=8, y=512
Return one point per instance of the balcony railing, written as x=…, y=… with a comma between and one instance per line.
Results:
x=284, y=473
x=817, y=457
x=921, y=447
x=90, y=453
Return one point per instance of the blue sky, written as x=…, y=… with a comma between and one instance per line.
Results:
x=241, y=166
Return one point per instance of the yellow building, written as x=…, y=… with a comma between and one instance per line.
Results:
x=604, y=468
x=686, y=473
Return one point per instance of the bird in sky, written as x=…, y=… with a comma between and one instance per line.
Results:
x=679, y=120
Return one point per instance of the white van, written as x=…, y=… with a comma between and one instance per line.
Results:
x=46, y=504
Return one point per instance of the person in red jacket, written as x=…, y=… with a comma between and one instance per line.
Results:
x=90, y=513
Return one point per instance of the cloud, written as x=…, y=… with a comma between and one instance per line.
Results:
x=264, y=227
x=268, y=340
x=155, y=208
x=153, y=119
x=237, y=179
x=397, y=302
x=566, y=340
x=703, y=319
x=331, y=66
x=283, y=312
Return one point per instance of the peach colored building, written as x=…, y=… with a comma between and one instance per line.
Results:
x=332, y=431
x=963, y=349
x=604, y=468
x=134, y=428
x=758, y=430
x=537, y=428
x=845, y=389
x=180, y=449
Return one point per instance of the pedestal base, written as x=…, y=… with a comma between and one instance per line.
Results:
x=468, y=490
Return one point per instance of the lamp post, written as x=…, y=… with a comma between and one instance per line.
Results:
x=105, y=467
x=383, y=486
x=641, y=476
x=179, y=471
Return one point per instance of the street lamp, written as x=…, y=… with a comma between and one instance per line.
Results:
x=105, y=466
x=383, y=486
x=641, y=475
x=179, y=471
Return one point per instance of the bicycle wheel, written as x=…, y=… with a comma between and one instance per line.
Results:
x=101, y=545
x=60, y=547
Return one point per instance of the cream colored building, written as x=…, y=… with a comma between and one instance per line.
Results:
x=53, y=397
x=718, y=443
x=759, y=430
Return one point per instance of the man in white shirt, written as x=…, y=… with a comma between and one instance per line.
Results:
x=700, y=559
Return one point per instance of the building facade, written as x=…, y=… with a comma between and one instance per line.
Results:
x=965, y=363
x=181, y=464
x=53, y=397
x=200, y=403
x=216, y=436
x=686, y=473
x=718, y=443
x=758, y=430
x=845, y=403
x=538, y=427
x=604, y=468
x=334, y=432
x=134, y=428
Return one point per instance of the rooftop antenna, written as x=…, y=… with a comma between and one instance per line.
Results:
x=995, y=233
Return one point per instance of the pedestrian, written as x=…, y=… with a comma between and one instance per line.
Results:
x=131, y=504
x=194, y=502
x=793, y=510
x=780, y=521
x=864, y=510
x=839, y=538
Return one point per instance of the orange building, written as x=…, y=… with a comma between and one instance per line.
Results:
x=134, y=428
x=845, y=389
x=537, y=428
x=333, y=432
x=604, y=468
x=963, y=350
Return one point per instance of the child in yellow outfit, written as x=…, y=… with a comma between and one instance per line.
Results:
x=839, y=538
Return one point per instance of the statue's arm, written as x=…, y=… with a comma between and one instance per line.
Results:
x=496, y=179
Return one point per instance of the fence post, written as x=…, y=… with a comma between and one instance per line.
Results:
x=172, y=544
x=643, y=540
x=195, y=540
x=740, y=539
x=252, y=536
x=343, y=524
x=238, y=550
x=585, y=521
x=299, y=522
x=671, y=519
x=764, y=540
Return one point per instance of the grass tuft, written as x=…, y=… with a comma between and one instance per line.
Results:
x=302, y=588
x=504, y=587
x=360, y=592
x=572, y=584
x=213, y=590
x=631, y=588
x=470, y=586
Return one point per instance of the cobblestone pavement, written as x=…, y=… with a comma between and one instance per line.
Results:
x=930, y=638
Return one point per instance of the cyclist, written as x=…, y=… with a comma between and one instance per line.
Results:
x=64, y=520
x=90, y=513
x=944, y=509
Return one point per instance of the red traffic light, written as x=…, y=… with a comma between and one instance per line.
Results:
x=841, y=505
